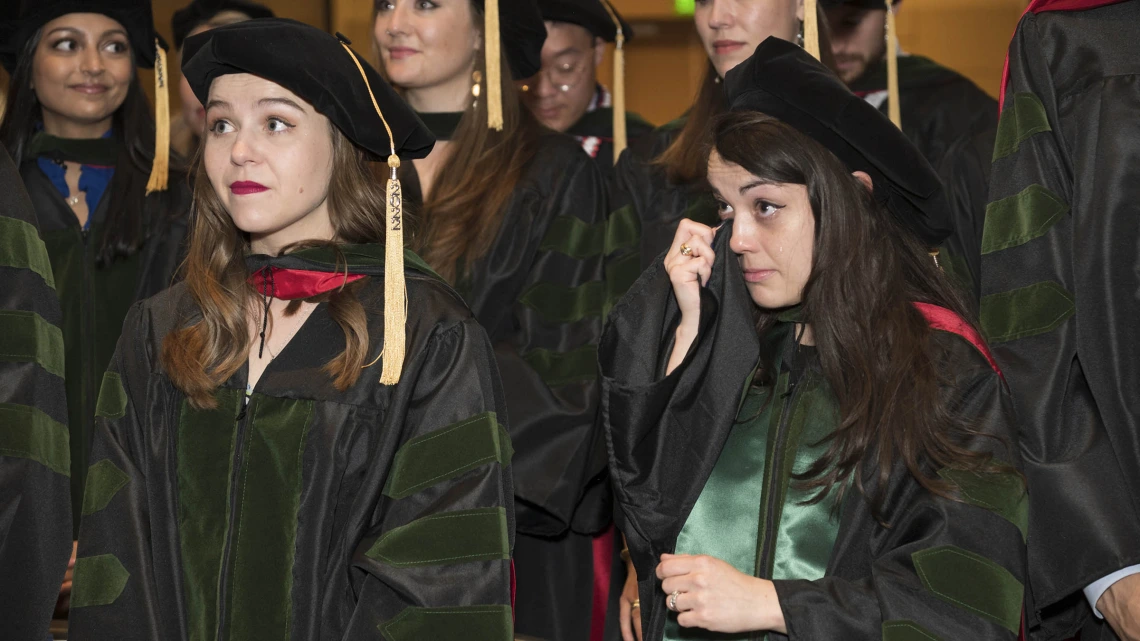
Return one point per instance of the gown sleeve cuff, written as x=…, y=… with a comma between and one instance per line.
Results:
x=1097, y=589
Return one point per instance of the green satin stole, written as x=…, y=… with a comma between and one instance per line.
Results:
x=729, y=518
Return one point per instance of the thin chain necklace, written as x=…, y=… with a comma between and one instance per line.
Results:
x=300, y=312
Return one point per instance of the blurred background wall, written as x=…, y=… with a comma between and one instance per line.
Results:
x=664, y=64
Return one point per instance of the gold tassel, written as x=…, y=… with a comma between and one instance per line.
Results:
x=395, y=296
x=811, y=28
x=161, y=166
x=893, y=107
x=621, y=139
x=494, y=81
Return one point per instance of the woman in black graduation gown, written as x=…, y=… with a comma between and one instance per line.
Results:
x=302, y=440
x=79, y=126
x=808, y=439
x=513, y=215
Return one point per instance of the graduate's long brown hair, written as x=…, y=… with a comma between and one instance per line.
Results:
x=460, y=219
x=213, y=340
x=685, y=159
x=875, y=348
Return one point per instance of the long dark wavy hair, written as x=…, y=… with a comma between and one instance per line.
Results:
x=875, y=348
x=131, y=214
x=460, y=219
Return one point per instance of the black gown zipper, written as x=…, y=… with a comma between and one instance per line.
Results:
x=242, y=419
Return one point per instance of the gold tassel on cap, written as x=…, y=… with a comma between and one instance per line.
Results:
x=395, y=294
x=811, y=28
x=161, y=166
x=494, y=81
x=893, y=107
x=620, y=137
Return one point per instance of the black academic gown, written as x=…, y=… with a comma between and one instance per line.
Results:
x=95, y=299
x=665, y=434
x=953, y=123
x=1059, y=303
x=541, y=292
x=35, y=506
x=383, y=511
x=642, y=196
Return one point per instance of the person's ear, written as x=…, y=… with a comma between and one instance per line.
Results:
x=865, y=178
x=800, y=10
x=599, y=51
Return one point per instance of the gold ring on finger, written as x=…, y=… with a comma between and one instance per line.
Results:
x=686, y=250
x=636, y=604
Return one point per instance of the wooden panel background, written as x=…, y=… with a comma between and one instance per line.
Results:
x=665, y=63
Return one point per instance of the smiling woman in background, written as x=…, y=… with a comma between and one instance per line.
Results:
x=79, y=125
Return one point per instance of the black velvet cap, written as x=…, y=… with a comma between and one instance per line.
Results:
x=20, y=19
x=590, y=14
x=787, y=83
x=313, y=65
x=521, y=35
x=199, y=12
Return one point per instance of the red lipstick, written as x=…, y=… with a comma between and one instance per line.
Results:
x=245, y=187
x=722, y=47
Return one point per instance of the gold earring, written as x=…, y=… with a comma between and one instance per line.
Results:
x=476, y=77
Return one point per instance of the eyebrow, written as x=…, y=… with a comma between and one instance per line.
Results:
x=281, y=101
x=109, y=32
x=222, y=104
x=570, y=49
x=754, y=184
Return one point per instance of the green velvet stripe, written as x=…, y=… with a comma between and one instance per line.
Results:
x=1001, y=493
x=22, y=248
x=623, y=229
x=446, y=453
x=104, y=480
x=471, y=623
x=1020, y=313
x=1023, y=119
x=99, y=580
x=1020, y=218
x=205, y=456
x=563, y=368
x=464, y=536
x=25, y=337
x=261, y=578
x=902, y=630
x=112, y=401
x=26, y=432
x=576, y=238
x=562, y=304
x=770, y=491
x=973, y=583
x=621, y=274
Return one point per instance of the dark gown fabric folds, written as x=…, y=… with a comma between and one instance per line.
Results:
x=378, y=512
x=1060, y=302
x=95, y=298
x=943, y=569
x=35, y=506
x=541, y=291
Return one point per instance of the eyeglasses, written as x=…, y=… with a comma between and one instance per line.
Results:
x=563, y=76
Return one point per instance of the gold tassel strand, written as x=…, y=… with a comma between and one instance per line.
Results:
x=160, y=168
x=494, y=81
x=395, y=296
x=893, y=107
x=621, y=140
x=811, y=28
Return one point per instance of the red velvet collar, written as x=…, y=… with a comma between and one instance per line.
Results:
x=1039, y=6
x=292, y=284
